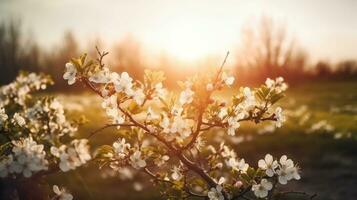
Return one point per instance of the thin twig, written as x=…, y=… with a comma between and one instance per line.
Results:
x=101, y=56
x=221, y=67
x=108, y=126
x=241, y=195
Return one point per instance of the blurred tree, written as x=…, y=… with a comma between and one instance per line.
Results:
x=128, y=56
x=56, y=59
x=346, y=69
x=323, y=69
x=32, y=58
x=268, y=51
x=10, y=52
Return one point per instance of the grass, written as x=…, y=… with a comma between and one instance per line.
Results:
x=328, y=164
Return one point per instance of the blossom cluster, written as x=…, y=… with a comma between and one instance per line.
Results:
x=163, y=133
x=268, y=168
x=72, y=156
x=123, y=153
x=27, y=158
x=17, y=92
x=285, y=170
x=31, y=126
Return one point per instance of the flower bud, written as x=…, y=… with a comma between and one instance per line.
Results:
x=238, y=184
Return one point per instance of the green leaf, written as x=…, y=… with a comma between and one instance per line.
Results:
x=251, y=172
x=245, y=179
x=276, y=97
x=134, y=108
x=103, y=151
x=4, y=148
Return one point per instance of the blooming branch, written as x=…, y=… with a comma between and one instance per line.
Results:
x=172, y=127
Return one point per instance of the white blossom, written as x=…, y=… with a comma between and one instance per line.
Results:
x=161, y=160
x=221, y=181
x=62, y=194
x=209, y=87
x=124, y=83
x=181, y=126
x=165, y=124
x=280, y=118
x=72, y=156
x=261, y=190
x=177, y=110
x=216, y=193
x=102, y=76
x=138, y=96
x=222, y=112
x=287, y=170
x=28, y=157
x=228, y=80
x=70, y=73
x=269, y=83
x=136, y=160
x=186, y=96
x=239, y=165
x=278, y=85
x=227, y=153
x=3, y=116
x=233, y=124
x=242, y=165
x=18, y=119
x=176, y=173
x=160, y=91
x=268, y=164
x=82, y=149
x=151, y=115
x=36, y=80
x=249, y=99
x=177, y=125
x=295, y=173
x=121, y=148
x=110, y=105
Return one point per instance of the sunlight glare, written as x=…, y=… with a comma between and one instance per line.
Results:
x=188, y=39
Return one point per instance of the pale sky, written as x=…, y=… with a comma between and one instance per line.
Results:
x=191, y=28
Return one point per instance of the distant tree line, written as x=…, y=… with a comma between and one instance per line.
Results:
x=22, y=53
x=265, y=51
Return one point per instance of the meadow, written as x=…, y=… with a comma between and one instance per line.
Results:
x=320, y=132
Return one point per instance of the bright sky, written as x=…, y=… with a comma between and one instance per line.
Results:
x=191, y=28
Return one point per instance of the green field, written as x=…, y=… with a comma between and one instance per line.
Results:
x=320, y=133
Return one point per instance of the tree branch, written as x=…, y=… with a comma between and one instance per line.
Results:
x=203, y=108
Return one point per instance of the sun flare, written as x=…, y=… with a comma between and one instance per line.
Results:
x=189, y=39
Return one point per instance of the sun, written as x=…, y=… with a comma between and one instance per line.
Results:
x=188, y=39
x=187, y=42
